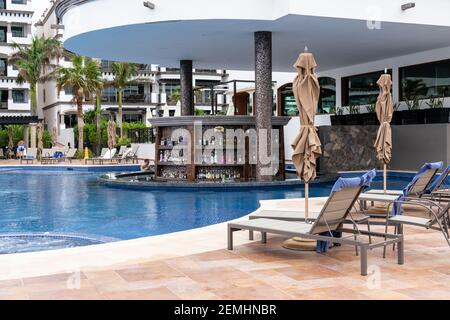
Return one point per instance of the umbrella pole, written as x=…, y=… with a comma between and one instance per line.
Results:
x=385, y=178
x=306, y=202
x=300, y=244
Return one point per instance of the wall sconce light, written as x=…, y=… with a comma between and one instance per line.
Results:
x=149, y=5
x=407, y=6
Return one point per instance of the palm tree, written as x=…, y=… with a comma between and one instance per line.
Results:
x=84, y=77
x=123, y=72
x=34, y=61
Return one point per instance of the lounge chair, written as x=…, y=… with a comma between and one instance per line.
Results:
x=131, y=154
x=46, y=153
x=53, y=158
x=107, y=157
x=70, y=155
x=329, y=223
x=419, y=184
x=439, y=216
x=415, y=189
x=30, y=156
x=437, y=190
x=122, y=150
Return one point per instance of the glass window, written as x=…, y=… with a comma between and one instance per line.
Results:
x=18, y=96
x=3, y=68
x=172, y=91
x=425, y=81
x=134, y=93
x=109, y=94
x=287, y=100
x=3, y=31
x=17, y=31
x=327, y=99
x=19, y=1
x=4, y=96
x=132, y=117
x=2, y=4
x=362, y=89
x=70, y=120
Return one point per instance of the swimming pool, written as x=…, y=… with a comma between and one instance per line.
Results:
x=36, y=202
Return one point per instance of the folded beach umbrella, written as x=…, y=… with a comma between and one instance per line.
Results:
x=385, y=110
x=40, y=132
x=307, y=146
x=111, y=134
x=10, y=139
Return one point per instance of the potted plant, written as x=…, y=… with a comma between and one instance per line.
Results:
x=397, y=115
x=436, y=112
x=414, y=115
x=353, y=118
x=370, y=118
x=338, y=119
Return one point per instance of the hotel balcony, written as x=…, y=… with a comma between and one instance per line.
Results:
x=138, y=99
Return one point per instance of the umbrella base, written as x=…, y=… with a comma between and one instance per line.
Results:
x=300, y=244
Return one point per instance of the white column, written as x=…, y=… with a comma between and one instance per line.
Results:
x=338, y=92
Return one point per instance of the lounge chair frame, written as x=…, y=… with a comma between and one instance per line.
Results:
x=322, y=225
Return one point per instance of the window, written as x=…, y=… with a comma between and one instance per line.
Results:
x=17, y=31
x=3, y=68
x=360, y=90
x=3, y=98
x=425, y=81
x=132, y=117
x=70, y=120
x=173, y=92
x=3, y=37
x=327, y=99
x=134, y=93
x=19, y=96
x=44, y=95
x=109, y=94
x=2, y=4
x=286, y=100
x=171, y=113
x=19, y=1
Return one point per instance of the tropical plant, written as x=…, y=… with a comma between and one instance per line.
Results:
x=34, y=63
x=435, y=102
x=371, y=108
x=413, y=104
x=84, y=77
x=123, y=73
x=353, y=109
x=340, y=111
x=199, y=112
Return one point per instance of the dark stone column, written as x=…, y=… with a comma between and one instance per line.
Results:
x=263, y=95
x=187, y=94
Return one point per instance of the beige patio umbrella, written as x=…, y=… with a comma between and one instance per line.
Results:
x=54, y=137
x=111, y=134
x=40, y=133
x=307, y=146
x=385, y=110
x=10, y=141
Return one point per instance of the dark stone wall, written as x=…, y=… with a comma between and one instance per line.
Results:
x=348, y=148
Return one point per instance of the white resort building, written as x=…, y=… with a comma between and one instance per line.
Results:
x=153, y=93
x=15, y=27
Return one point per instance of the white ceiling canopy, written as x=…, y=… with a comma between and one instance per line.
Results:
x=224, y=43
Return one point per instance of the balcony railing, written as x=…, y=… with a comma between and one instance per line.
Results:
x=152, y=98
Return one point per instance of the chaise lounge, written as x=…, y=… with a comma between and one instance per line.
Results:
x=329, y=222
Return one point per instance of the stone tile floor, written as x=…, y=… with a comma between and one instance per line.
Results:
x=257, y=271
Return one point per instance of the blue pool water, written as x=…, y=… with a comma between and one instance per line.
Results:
x=74, y=203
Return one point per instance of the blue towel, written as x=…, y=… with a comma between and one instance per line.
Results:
x=342, y=183
x=397, y=208
x=437, y=182
x=365, y=180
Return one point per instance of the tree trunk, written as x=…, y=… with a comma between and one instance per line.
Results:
x=33, y=99
x=120, y=116
x=80, y=124
x=98, y=114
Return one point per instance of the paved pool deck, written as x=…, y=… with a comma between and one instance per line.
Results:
x=195, y=264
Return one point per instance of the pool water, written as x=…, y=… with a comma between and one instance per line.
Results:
x=74, y=203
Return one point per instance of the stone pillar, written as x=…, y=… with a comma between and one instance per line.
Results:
x=33, y=136
x=263, y=96
x=187, y=94
x=26, y=133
